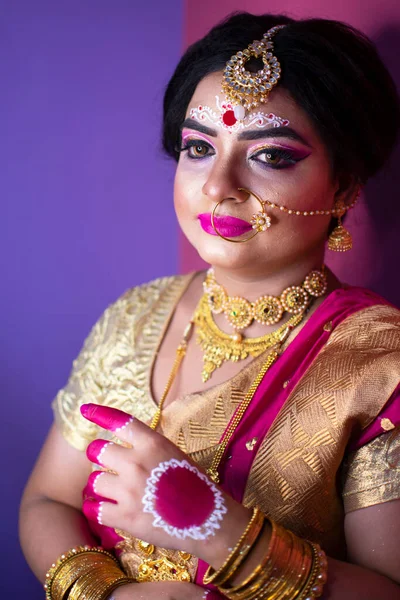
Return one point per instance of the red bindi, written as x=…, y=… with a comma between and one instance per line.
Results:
x=229, y=118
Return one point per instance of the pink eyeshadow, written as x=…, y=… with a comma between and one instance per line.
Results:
x=183, y=510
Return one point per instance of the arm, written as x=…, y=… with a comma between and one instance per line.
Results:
x=51, y=521
x=373, y=570
x=147, y=509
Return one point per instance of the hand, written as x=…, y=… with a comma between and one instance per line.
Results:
x=166, y=590
x=155, y=493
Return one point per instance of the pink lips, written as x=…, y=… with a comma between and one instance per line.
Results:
x=227, y=226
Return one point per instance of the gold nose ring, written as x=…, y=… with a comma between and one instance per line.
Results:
x=259, y=222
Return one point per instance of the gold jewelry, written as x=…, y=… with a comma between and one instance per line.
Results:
x=266, y=310
x=98, y=584
x=212, y=471
x=317, y=576
x=180, y=355
x=291, y=568
x=239, y=553
x=84, y=567
x=245, y=89
x=260, y=221
x=218, y=346
x=339, y=209
x=340, y=240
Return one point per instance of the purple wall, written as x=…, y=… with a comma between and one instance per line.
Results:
x=86, y=202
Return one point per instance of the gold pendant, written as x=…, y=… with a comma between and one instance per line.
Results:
x=219, y=347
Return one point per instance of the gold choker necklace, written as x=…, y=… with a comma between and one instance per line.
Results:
x=266, y=310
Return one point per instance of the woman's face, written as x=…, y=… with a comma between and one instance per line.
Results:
x=287, y=165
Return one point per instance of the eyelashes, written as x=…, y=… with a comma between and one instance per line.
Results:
x=270, y=157
x=196, y=148
x=275, y=157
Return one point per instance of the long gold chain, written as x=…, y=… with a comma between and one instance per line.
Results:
x=212, y=471
x=284, y=332
x=180, y=355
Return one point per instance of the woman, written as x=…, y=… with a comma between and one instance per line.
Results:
x=264, y=393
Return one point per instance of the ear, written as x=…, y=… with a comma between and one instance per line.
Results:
x=347, y=189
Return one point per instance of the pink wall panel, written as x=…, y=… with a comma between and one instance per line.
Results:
x=375, y=223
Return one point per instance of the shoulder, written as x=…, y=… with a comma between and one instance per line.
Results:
x=156, y=298
x=114, y=364
x=368, y=320
x=141, y=298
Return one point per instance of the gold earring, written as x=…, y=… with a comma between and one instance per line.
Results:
x=340, y=240
x=259, y=221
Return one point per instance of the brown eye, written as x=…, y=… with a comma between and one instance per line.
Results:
x=272, y=159
x=199, y=150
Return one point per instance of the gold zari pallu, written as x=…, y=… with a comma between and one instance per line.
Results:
x=292, y=568
x=84, y=573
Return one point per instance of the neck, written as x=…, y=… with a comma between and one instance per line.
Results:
x=271, y=281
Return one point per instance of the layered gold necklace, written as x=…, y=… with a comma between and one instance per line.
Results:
x=218, y=346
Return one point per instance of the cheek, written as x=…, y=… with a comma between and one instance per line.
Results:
x=187, y=193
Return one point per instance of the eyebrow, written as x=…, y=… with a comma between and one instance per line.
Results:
x=251, y=134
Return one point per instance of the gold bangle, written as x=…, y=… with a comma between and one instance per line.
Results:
x=97, y=586
x=239, y=553
x=282, y=573
x=245, y=586
x=250, y=587
x=56, y=570
x=298, y=572
x=276, y=583
x=71, y=570
x=318, y=574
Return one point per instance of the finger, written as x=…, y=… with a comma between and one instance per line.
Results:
x=102, y=513
x=95, y=451
x=109, y=418
x=104, y=490
x=123, y=425
x=107, y=454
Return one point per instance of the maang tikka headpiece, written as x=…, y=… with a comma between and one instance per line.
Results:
x=245, y=89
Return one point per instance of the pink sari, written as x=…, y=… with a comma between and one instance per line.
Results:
x=291, y=366
x=278, y=386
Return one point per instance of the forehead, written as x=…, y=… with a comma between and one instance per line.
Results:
x=279, y=102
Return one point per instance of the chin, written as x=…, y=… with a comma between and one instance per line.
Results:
x=220, y=253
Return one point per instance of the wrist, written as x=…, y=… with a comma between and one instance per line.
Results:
x=216, y=549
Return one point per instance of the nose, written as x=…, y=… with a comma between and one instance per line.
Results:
x=223, y=183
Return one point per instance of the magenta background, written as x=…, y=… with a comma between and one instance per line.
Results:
x=376, y=222
x=83, y=178
x=86, y=202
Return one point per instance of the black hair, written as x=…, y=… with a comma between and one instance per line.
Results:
x=331, y=70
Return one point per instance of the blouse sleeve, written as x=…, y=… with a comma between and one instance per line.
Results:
x=86, y=382
x=114, y=364
x=371, y=475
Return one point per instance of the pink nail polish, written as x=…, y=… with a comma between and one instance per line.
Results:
x=92, y=480
x=109, y=418
x=95, y=451
x=92, y=510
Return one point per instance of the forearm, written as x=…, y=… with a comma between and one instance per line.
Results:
x=47, y=529
x=345, y=581
x=351, y=582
